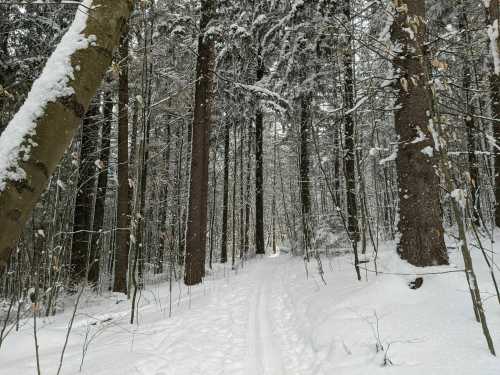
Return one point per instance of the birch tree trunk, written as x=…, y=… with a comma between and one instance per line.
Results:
x=97, y=27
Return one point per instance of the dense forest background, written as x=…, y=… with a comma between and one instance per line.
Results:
x=227, y=129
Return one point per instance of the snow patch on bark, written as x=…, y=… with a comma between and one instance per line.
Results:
x=391, y=157
x=16, y=141
x=493, y=35
x=435, y=135
x=460, y=197
x=429, y=151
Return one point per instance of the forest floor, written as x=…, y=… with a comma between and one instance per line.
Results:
x=268, y=318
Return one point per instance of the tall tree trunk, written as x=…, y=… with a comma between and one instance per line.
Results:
x=223, y=252
x=84, y=203
x=305, y=193
x=164, y=221
x=123, y=198
x=350, y=155
x=213, y=214
x=102, y=184
x=233, y=227
x=246, y=241
x=140, y=214
x=336, y=163
x=259, y=175
x=202, y=121
x=242, y=193
x=469, y=122
x=275, y=171
x=142, y=165
x=493, y=19
x=349, y=134
x=420, y=224
x=180, y=166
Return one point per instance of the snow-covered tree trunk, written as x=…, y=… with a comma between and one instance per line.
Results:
x=37, y=137
x=420, y=224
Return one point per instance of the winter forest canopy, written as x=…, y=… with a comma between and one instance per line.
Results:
x=255, y=187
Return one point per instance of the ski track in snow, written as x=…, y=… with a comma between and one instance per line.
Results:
x=241, y=331
x=264, y=353
x=233, y=324
x=265, y=319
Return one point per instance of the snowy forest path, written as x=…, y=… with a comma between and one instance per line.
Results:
x=265, y=318
x=264, y=353
x=241, y=322
x=245, y=328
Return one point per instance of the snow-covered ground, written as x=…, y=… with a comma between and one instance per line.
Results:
x=269, y=319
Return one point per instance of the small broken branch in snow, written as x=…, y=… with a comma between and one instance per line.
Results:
x=37, y=137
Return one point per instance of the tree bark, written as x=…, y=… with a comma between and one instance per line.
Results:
x=350, y=144
x=242, y=193
x=420, y=224
x=84, y=205
x=493, y=19
x=213, y=214
x=140, y=205
x=202, y=121
x=469, y=125
x=305, y=193
x=246, y=238
x=259, y=178
x=349, y=158
x=123, y=198
x=223, y=254
x=56, y=125
x=233, y=227
x=102, y=184
x=163, y=225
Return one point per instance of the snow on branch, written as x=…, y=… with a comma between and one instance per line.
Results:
x=265, y=94
x=358, y=104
